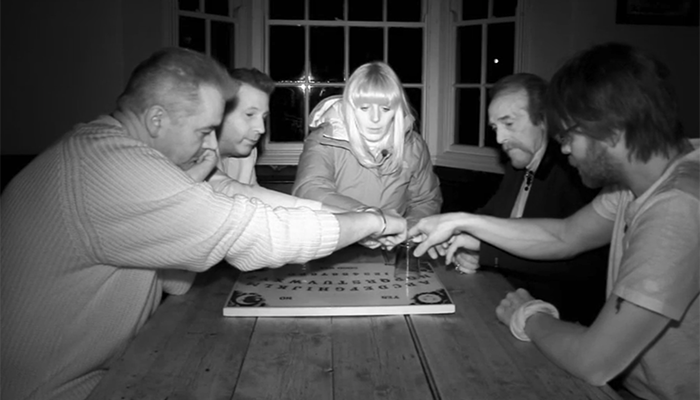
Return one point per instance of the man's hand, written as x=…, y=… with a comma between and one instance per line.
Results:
x=204, y=165
x=511, y=303
x=370, y=243
x=395, y=231
x=433, y=233
x=466, y=261
x=463, y=250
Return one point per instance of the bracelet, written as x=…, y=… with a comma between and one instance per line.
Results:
x=520, y=316
x=378, y=211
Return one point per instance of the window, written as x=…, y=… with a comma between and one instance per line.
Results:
x=447, y=53
x=314, y=45
x=207, y=26
x=484, y=36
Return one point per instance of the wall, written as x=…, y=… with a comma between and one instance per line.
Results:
x=557, y=29
x=65, y=62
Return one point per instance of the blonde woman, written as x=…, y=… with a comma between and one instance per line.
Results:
x=363, y=151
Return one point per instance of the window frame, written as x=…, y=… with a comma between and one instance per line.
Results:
x=439, y=62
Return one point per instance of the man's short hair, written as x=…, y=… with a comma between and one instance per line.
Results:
x=535, y=88
x=171, y=77
x=254, y=78
x=616, y=87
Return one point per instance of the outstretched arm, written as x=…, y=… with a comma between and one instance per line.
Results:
x=542, y=239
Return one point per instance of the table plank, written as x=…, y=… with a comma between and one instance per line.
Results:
x=376, y=358
x=471, y=355
x=186, y=350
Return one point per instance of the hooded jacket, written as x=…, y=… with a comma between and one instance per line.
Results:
x=329, y=172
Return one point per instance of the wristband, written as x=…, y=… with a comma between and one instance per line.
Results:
x=378, y=211
x=520, y=316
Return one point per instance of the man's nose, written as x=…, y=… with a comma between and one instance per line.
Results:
x=565, y=148
x=210, y=141
x=501, y=135
x=259, y=125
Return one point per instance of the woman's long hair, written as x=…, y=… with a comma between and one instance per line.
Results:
x=377, y=82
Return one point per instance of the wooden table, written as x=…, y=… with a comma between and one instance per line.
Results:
x=188, y=350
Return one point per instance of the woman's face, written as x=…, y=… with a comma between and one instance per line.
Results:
x=374, y=120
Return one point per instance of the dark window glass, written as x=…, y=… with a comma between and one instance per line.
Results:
x=286, y=9
x=326, y=53
x=287, y=53
x=467, y=115
x=191, y=34
x=287, y=121
x=404, y=10
x=328, y=10
x=216, y=7
x=475, y=9
x=188, y=5
x=500, y=51
x=366, y=44
x=365, y=10
x=504, y=8
x=316, y=94
x=415, y=100
x=222, y=42
x=468, y=68
x=406, y=53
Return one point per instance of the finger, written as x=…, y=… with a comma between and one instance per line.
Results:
x=432, y=253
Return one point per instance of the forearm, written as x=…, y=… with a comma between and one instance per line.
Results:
x=561, y=342
x=355, y=226
x=538, y=239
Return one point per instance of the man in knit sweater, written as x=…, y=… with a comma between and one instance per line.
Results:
x=97, y=226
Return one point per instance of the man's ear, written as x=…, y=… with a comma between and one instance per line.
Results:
x=156, y=118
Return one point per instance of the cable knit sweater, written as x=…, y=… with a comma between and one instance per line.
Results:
x=94, y=229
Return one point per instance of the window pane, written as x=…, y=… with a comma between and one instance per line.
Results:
x=329, y=10
x=326, y=54
x=188, y=5
x=469, y=54
x=191, y=34
x=222, y=42
x=366, y=44
x=217, y=7
x=287, y=121
x=504, y=8
x=500, y=51
x=408, y=65
x=467, y=116
x=287, y=53
x=316, y=94
x=286, y=9
x=474, y=9
x=365, y=10
x=415, y=98
x=404, y=10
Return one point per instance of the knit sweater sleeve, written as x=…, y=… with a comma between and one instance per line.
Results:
x=140, y=210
